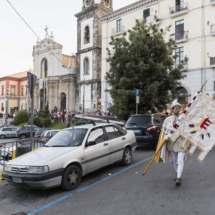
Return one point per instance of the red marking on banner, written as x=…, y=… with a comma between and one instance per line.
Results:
x=205, y=123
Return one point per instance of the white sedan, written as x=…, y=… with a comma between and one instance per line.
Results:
x=71, y=154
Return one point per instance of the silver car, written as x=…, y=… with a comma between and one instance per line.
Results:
x=7, y=132
x=71, y=154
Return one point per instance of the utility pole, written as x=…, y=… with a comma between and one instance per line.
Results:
x=83, y=97
x=31, y=83
x=6, y=104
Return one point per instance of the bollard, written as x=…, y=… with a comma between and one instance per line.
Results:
x=14, y=147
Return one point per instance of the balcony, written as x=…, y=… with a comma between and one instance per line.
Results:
x=117, y=31
x=178, y=10
x=213, y=30
x=212, y=2
x=150, y=20
x=179, y=37
x=212, y=61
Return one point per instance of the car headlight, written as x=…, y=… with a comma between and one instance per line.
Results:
x=7, y=167
x=38, y=169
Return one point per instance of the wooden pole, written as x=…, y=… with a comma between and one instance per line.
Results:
x=151, y=161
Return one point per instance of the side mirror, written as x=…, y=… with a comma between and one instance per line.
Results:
x=91, y=143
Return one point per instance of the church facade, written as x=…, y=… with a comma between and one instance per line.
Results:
x=56, y=76
x=88, y=57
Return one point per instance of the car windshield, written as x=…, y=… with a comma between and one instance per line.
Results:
x=139, y=121
x=67, y=138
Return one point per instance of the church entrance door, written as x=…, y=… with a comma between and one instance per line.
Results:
x=63, y=101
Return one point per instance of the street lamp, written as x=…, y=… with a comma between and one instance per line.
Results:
x=6, y=103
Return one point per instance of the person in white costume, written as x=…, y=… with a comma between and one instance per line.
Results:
x=172, y=151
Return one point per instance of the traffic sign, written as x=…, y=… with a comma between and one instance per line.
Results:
x=137, y=99
x=137, y=93
x=31, y=83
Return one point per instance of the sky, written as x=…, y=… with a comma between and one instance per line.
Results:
x=17, y=40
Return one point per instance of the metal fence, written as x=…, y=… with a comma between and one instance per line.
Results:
x=11, y=150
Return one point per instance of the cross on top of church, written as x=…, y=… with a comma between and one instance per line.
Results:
x=46, y=31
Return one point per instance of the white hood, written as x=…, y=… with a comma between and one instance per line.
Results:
x=41, y=156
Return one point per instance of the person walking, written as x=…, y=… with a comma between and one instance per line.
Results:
x=63, y=116
x=171, y=151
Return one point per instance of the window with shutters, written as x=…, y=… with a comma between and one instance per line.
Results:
x=179, y=4
x=118, y=25
x=179, y=30
x=179, y=51
x=146, y=13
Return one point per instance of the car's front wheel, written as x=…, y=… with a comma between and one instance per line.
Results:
x=71, y=178
x=127, y=157
x=2, y=136
x=23, y=136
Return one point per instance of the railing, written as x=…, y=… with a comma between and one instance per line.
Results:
x=12, y=150
x=180, y=36
x=118, y=30
x=178, y=8
x=213, y=29
x=151, y=19
x=212, y=61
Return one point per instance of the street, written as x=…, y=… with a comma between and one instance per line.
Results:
x=123, y=190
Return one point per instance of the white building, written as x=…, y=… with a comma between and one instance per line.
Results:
x=193, y=28
x=55, y=76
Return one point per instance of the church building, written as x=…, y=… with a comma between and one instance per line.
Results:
x=89, y=45
x=56, y=76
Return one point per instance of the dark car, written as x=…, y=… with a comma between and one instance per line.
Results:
x=40, y=131
x=146, y=127
x=24, y=131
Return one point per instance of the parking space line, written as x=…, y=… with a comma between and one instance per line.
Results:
x=84, y=188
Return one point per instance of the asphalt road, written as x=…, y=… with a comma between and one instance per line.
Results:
x=117, y=190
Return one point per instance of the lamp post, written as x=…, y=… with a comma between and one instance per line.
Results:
x=6, y=104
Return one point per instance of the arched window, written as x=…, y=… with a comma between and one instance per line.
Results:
x=44, y=68
x=86, y=35
x=86, y=66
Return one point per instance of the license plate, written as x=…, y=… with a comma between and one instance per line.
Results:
x=17, y=180
x=136, y=131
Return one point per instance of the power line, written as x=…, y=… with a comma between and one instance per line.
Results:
x=36, y=34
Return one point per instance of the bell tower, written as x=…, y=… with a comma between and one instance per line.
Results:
x=88, y=59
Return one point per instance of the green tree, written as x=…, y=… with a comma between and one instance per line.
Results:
x=21, y=117
x=142, y=60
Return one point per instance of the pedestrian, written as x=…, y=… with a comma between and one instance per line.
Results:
x=63, y=116
x=171, y=151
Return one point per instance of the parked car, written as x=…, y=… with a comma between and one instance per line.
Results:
x=7, y=132
x=40, y=131
x=146, y=127
x=49, y=134
x=71, y=154
x=24, y=131
x=5, y=154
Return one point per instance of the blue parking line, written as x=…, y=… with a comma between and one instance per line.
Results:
x=84, y=188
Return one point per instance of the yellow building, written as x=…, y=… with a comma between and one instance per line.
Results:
x=13, y=93
x=193, y=29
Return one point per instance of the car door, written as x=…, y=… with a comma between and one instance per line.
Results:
x=13, y=132
x=97, y=155
x=116, y=142
x=7, y=132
